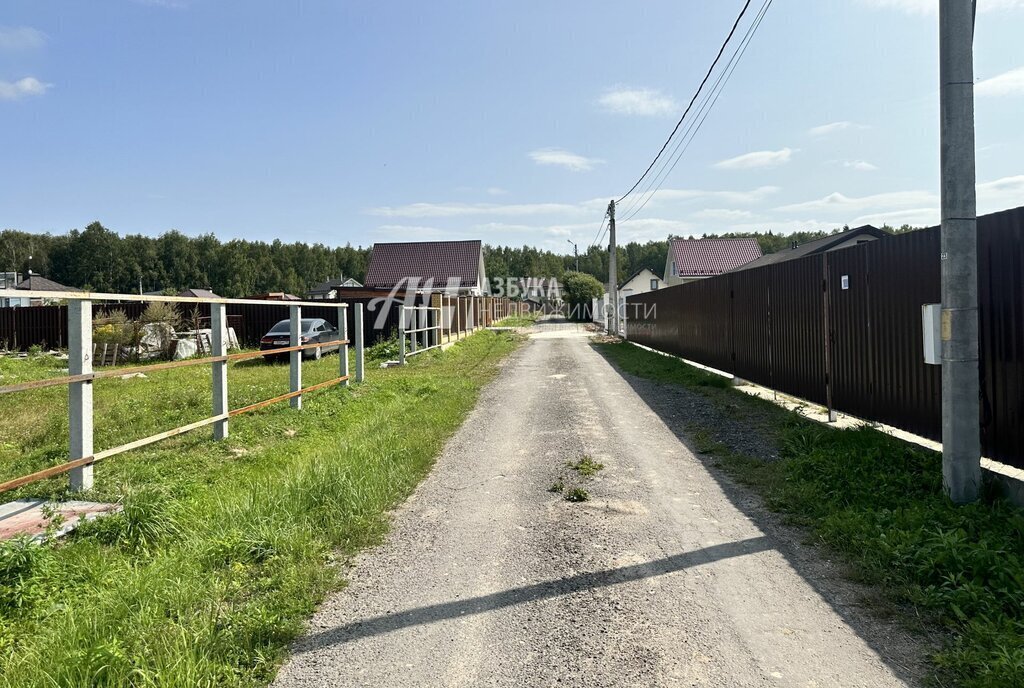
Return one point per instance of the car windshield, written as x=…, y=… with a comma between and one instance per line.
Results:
x=283, y=327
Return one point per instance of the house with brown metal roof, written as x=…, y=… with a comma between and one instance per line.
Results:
x=429, y=266
x=694, y=259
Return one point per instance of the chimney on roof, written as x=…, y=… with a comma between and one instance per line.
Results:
x=794, y=245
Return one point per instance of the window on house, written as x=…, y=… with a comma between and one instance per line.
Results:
x=654, y=284
x=675, y=272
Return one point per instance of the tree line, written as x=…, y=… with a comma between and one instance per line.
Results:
x=99, y=259
x=503, y=261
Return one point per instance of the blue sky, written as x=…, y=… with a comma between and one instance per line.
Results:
x=509, y=121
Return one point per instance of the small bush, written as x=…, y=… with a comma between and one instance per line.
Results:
x=22, y=566
x=577, y=494
x=586, y=466
x=384, y=350
x=161, y=312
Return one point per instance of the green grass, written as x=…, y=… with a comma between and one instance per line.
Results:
x=586, y=466
x=577, y=494
x=879, y=503
x=223, y=548
x=527, y=320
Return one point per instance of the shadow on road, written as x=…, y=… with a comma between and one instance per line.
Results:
x=902, y=651
x=528, y=593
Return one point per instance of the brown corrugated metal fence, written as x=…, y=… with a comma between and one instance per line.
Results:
x=771, y=329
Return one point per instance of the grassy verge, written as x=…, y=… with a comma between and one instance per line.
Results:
x=223, y=549
x=518, y=320
x=879, y=503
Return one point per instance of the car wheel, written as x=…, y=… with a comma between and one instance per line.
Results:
x=318, y=353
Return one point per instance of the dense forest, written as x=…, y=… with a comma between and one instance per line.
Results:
x=632, y=257
x=97, y=258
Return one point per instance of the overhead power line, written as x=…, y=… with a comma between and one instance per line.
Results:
x=692, y=100
x=708, y=102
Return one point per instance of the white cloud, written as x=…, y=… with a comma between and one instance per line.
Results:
x=20, y=38
x=785, y=226
x=1009, y=83
x=412, y=233
x=757, y=159
x=638, y=101
x=919, y=208
x=23, y=88
x=833, y=127
x=563, y=158
x=752, y=196
x=915, y=217
x=496, y=191
x=932, y=6
x=838, y=202
x=860, y=165
x=1000, y=194
x=726, y=214
x=471, y=209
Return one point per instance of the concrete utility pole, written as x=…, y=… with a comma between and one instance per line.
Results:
x=961, y=434
x=613, y=269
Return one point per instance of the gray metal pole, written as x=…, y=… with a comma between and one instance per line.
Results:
x=360, y=343
x=343, y=351
x=613, y=269
x=294, y=335
x=80, y=393
x=219, y=340
x=961, y=436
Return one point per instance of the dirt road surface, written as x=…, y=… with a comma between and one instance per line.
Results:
x=667, y=576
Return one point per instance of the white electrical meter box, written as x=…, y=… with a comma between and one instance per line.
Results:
x=931, y=323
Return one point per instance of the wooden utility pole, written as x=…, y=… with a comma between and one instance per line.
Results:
x=613, y=270
x=961, y=413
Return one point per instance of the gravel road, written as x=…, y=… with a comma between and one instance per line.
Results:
x=666, y=576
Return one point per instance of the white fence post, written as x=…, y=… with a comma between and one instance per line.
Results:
x=360, y=363
x=219, y=342
x=424, y=335
x=80, y=393
x=295, y=333
x=401, y=335
x=343, y=351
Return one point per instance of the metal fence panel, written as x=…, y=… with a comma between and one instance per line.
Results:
x=752, y=326
x=1001, y=295
x=903, y=274
x=797, y=322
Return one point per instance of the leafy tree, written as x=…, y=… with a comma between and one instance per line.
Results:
x=578, y=290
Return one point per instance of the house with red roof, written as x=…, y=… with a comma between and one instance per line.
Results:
x=429, y=266
x=694, y=259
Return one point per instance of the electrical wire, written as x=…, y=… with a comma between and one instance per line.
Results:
x=710, y=98
x=692, y=100
x=709, y=101
x=600, y=233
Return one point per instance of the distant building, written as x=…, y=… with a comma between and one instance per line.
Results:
x=274, y=296
x=694, y=259
x=8, y=283
x=40, y=283
x=850, y=237
x=198, y=294
x=328, y=291
x=538, y=289
x=436, y=266
x=641, y=282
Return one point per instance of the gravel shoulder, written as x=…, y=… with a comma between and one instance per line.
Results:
x=667, y=575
